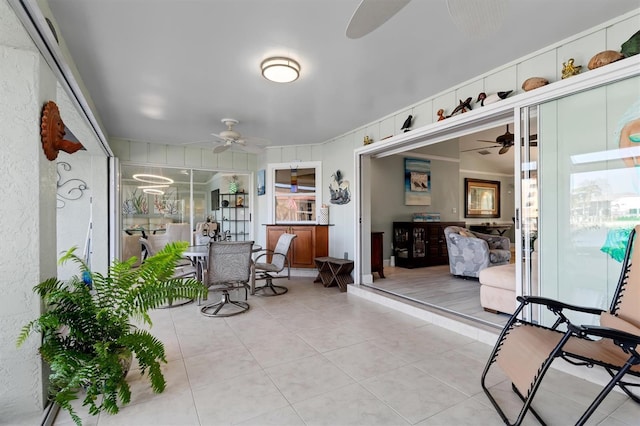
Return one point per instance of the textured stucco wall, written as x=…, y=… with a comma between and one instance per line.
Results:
x=28, y=226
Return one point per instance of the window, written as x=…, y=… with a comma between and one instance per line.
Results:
x=294, y=192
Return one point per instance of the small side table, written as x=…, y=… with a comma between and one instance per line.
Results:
x=333, y=271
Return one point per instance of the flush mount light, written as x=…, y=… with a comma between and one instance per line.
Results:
x=153, y=191
x=154, y=179
x=280, y=69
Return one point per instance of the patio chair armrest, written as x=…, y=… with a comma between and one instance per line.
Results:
x=265, y=253
x=557, y=306
x=618, y=336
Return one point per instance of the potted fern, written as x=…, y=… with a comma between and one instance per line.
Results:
x=87, y=334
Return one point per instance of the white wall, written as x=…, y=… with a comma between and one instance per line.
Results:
x=28, y=211
x=73, y=216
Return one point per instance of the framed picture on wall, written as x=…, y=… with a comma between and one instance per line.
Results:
x=417, y=182
x=481, y=198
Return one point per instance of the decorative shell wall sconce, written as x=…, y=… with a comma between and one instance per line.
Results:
x=52, y=133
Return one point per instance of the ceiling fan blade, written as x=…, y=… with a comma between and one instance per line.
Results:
x=370, y=14
x=483, y=140
x=221, y=148
x=196, y=142
x=217, y=136
x=480, y=149
x=504, y=149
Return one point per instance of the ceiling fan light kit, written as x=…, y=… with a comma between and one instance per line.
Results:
x=280, y=69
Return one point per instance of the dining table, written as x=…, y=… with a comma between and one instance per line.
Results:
x=199, y=253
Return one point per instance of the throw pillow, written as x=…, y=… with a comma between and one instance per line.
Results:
x=467, y=234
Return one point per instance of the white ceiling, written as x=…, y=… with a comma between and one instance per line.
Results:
x=167, y=71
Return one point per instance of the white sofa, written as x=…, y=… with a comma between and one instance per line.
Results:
x=498, y=285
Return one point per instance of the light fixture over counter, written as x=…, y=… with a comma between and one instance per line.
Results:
x=153, y=179
x=280, y=69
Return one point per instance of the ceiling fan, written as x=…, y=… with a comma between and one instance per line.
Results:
x=505, y=142
x=230, y=138
x=475, y=18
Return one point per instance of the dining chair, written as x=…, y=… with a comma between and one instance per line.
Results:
x=270, y=270
x=228, y=269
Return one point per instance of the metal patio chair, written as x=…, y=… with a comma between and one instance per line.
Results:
x=269, y=271
x=228, y=269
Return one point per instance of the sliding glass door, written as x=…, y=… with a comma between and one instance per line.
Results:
x=581, y=196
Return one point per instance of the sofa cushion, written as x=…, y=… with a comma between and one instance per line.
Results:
x=499, y=256
x=503, y=276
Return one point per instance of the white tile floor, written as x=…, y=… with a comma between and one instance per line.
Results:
x=319, y=357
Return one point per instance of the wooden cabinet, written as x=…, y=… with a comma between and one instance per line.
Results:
x=418, y=244
x=376, y=254
x=311, y=241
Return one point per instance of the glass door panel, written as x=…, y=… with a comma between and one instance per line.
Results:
x=589, y=195
x=527, y=218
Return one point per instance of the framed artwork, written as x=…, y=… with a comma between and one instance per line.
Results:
x=482, y=198
x=417, y=182
x=261, y=182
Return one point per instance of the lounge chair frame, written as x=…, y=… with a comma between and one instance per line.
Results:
x=574, y=344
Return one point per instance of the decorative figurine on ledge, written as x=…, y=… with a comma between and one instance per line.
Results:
x=569, y=69
x=441, y=114
x=462, y=107
x=406, y=126
x=367, y=140
x=488, y=100
x=632, y=46
x=604, y=58
x=534, y=83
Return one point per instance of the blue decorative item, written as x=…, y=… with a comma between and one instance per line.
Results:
x=616, y=243
x=86, y=278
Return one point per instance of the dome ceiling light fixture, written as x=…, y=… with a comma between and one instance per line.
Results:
x=280, y=69
x=153, y=179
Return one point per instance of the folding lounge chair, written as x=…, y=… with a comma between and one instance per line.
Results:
x=524, y=351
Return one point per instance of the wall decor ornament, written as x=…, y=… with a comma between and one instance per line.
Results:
x=339, y=189
x=417, y=182
x=52, y=133
x=69, y=189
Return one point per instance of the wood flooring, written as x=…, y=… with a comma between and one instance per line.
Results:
x=435, y=287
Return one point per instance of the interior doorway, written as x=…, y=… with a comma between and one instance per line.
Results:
x=484, y=155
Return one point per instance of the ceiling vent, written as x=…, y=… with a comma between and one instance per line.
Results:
x=484, y=152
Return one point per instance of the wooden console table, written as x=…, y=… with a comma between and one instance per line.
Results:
x=333, y=271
